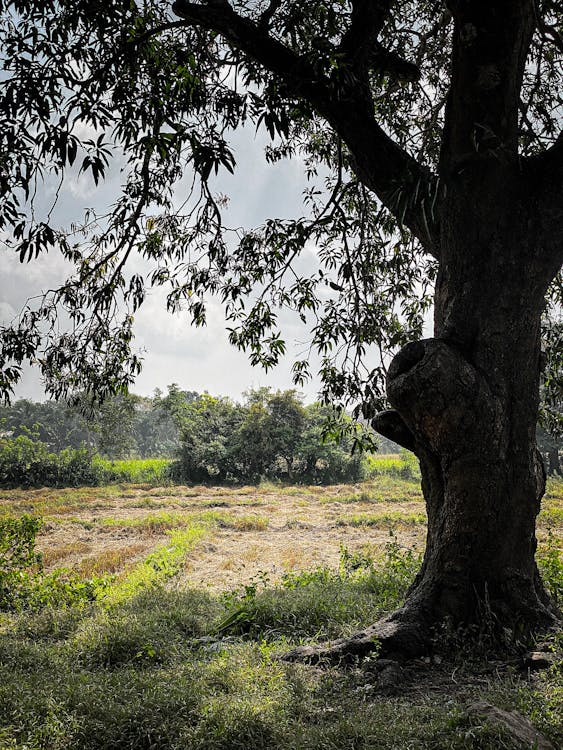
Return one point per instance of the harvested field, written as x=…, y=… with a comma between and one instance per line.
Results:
x=248, y=530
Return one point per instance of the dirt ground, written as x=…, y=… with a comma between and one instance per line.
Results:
x=251, y=530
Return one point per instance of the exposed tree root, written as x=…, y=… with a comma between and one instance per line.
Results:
x=405, y=635
x=390, y=638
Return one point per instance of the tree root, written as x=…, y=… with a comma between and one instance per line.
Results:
x=389, y=638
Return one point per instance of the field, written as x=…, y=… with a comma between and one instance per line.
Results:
x=197, y=591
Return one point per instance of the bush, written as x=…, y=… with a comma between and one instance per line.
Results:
x=22, y=582
x=25, y=462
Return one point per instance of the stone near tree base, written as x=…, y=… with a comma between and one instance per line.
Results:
x=520, y=728
x=536, y=660
x=391, y=677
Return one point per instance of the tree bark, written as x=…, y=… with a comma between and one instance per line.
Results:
x=466, y=402
x=470, y=399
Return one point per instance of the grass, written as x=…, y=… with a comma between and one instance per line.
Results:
x=383, y=489
x=161, y=522
x=135, y=470
x=108, y=561
x=175, y=669
x=162, y=564
x=151, y=663
x=388, y=520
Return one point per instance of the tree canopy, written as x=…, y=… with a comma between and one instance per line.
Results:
x=156, y=89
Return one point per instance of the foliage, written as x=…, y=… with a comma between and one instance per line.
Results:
x=17, y=554
x=271, y=436
x=26, y=462
x=23, y=585
x=144, y=85
x=550, y=563
x=123, y=425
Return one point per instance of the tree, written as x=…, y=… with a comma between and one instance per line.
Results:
x=207, y=429
x=271, y=431
x=324, y=460
x=54, y=423
x=431, y=134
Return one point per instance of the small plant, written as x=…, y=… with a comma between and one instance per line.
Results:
x=23, y=585
x=550, y=563
x=17, y=556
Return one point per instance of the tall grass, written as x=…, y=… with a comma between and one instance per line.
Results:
x=403, y=465
x=133, y=470
x=174, y=670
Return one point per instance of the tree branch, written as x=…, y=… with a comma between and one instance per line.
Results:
x=366, y=22
x=391, y=425
x=359, y=45
x=380, y=163
x=490, y=45
x=269, y=13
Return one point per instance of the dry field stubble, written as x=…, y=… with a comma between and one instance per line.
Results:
x=269, y=528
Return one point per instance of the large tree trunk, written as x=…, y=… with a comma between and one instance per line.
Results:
x=470, y=399
x=466, y=402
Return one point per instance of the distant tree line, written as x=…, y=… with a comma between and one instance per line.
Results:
x=269, y=435
x=124, y=426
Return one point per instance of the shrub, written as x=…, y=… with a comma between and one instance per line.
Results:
x=26, y=462
x=23, y=585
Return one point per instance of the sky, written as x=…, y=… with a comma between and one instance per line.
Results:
x=173, y=352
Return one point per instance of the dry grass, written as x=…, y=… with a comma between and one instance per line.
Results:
x=110, y=560
x=103, y=529
x=54, y=556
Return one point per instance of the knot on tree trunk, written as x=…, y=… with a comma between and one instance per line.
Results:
x=391, y=425
x=441, y=398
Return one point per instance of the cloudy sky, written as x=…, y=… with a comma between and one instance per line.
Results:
x=196, y=359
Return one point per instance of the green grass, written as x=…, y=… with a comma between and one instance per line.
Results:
x=162, y=564
x=149, y=665
x=134, y=470
x=403, y=465
x=160, y=669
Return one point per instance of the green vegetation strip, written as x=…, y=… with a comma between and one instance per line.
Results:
x=162, y=564
x=386, y=520
x=165, y=521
